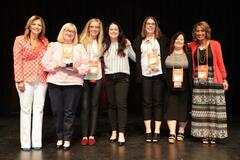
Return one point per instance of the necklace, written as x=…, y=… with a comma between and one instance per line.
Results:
x=202, y=54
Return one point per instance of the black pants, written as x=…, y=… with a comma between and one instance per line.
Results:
x=153, y=95
x=117, y=90
x=64, y=102
x=91, y=94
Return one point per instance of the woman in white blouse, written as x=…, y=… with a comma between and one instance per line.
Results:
x=117, y=51
x=92, y=40
x=151, y=51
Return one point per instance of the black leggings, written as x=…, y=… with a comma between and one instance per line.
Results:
x=91, y=94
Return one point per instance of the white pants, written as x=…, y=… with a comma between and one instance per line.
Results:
x=31, y=114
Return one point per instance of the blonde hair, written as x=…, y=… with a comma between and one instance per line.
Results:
x=85, y=39
x=157, y=31
x=29, y=23
x=70, y=26
x=205, y=26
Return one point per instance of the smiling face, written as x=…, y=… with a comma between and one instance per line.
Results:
x=179, y=42
x=36, y=27
x=113, y=32
x=69, y=34
x=94, y=29
x=150, y=26
x=200, y=33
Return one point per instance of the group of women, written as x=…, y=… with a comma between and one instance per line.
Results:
x=176, y=79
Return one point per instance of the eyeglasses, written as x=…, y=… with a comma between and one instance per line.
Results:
x=97, y=27
x=70, y=31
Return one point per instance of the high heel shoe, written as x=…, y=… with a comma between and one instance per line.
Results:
x=121, y=143
x=180, y=136
x=213, y=140
x=26, y=149
x=36, y=148
x=121, y=139
x=172, y=138
x=156, y=137
x=148, y=137
x=66, y=145
x=205, y=140
x=59, y=144
x=113, y=140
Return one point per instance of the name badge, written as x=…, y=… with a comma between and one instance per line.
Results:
x=153, y=61
x=202, y=72
x=177, y=77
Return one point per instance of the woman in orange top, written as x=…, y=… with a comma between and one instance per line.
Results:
x=30, y=81
x=209, y=118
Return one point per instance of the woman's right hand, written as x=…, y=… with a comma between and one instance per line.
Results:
x=127, y=42
x=61, y=64
x=21, y=86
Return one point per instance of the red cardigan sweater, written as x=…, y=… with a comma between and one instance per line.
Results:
x=218, y=64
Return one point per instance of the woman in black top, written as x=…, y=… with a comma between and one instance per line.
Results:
x=179, y=86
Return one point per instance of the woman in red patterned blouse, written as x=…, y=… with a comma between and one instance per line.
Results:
x=30, y=81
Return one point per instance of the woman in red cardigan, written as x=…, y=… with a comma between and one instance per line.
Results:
x=209, y=118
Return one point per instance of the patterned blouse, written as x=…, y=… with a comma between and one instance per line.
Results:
x=27, y=60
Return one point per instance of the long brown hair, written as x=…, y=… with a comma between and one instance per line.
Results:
x=157, y=31
x=121, y=40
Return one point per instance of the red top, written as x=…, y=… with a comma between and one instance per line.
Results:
x=27, y=60
x=218, y=64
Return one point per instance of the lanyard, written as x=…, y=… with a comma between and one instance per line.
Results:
x=177, y=74
x=205, y=56
x=203, y=69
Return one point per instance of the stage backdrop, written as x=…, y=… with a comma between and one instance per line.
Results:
x=172, y=16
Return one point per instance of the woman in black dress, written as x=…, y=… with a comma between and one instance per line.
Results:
x=179, y=86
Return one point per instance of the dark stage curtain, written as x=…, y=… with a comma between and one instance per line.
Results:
x=172, y=16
